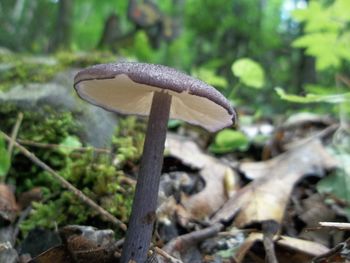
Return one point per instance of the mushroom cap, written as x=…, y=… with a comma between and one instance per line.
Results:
x=128, y=88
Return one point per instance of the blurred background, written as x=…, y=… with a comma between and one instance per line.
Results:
x=300, y=45
x=283, y=64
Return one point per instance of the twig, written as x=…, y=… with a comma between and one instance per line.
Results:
x=53, y=146
x=269, y=230
x=14, y=132
x=166, y=255
x=66, y=184
x=332, y=252
x=185, y=241
x=342, y=226
x=344, y=79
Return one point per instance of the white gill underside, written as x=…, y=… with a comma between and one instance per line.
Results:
x=123, y=95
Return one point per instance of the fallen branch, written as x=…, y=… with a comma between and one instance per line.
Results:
x=65, y=183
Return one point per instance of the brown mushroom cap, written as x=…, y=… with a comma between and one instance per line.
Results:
x=128, y=87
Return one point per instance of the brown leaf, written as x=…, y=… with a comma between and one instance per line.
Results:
x=267, y=196
x=58, y=254
x=302, y=250
x=220, y=180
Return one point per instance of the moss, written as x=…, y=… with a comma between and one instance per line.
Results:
x=81, y=60
x=99, y=176
x=21, y=69
x=129, y=139
x=94, y=174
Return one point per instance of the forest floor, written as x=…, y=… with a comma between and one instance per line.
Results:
x=269, y=190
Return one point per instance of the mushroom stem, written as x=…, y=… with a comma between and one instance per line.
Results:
x=143, y=214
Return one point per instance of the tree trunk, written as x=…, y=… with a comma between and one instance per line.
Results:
x=64, y=23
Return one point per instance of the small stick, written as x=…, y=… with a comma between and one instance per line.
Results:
x=269, y=230
x=185, y=241
x=52, y=145
x=166, y=255
x=14, y=132
x=343, y=226
x=66, y=184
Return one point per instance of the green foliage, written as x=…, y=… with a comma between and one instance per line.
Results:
x=327, y=34
x=89, y=18
x=249, y=72
x=327, y=38
x=228, y=141
x=5, y=161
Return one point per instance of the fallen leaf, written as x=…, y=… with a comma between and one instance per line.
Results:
x=303, y=250
x=58, y=254
x=313, y=210
x=185, y=150
x=214, y=173
x=267, y=196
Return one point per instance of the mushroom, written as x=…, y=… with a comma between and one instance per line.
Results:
x=162, y=93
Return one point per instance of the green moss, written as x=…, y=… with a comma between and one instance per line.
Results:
x=94, y=174
x=81, y=60
x=129, y=139
x=21, y=69
x=99, y=176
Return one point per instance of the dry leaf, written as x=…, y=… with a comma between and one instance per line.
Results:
x=214, y=173
x=298, y=248
x=267, y=196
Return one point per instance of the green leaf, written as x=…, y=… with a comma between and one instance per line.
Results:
x=229, y=140
x=173, y=124
x=69, y=144
x=313, y=98
x=5, y=161
x=327, y=33
x=327, y=47
x=249, y=72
